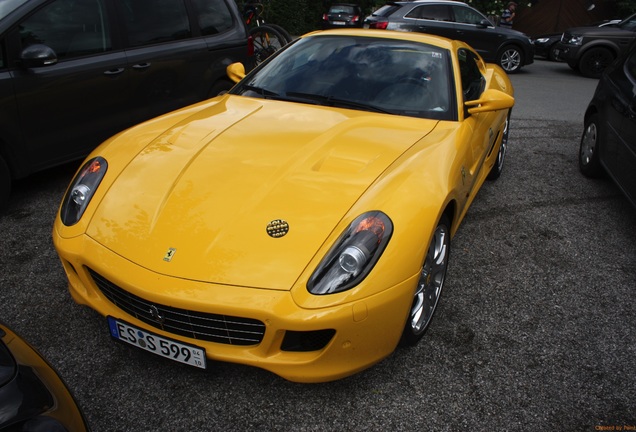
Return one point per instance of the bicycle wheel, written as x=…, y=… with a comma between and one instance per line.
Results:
x=267, y=41
x=282, y=31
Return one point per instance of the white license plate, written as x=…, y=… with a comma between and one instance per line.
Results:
x=339, y=23
x=164, y=347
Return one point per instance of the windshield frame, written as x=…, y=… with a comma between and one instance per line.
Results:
x=405, y=78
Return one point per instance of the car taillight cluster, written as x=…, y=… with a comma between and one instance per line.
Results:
x=381, y=25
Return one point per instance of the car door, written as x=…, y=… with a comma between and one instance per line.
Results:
x=66, y=109
x=468, y=28
x=620, y=155
x=476, y=128
x=169, y=63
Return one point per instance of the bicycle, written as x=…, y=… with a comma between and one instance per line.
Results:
x=268, y=38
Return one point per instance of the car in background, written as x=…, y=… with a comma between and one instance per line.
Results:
x=456, y=20
x=74, y=72
x=300, y=223
x=546, y=45
x=608, y=144
x=32, y=395
x=590, y=50
x=342, y=15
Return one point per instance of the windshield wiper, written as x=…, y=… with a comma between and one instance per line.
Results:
x=334, y=102
x=267, y=94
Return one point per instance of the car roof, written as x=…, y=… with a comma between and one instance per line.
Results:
x=434, y=1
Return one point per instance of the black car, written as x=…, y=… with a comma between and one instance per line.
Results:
x=591, y=49
x=74, y=72
x=342, y=15
x=547, y=45
x=32, y=395
x=456, y=20
x=608, y=144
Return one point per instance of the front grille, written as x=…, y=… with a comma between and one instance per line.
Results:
x=197, y=325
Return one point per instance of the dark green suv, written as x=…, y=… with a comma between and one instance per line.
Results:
x=590, y=50
x=75, y=72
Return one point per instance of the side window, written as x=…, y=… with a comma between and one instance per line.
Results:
x=213, y=15
x=431, y=12
x=72, y=28
x=155, y=21
x=473, y=81
x=466, y=15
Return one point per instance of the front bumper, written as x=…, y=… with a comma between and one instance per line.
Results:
x=366, y=331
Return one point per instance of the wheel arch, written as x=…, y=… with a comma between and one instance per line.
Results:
x=603, y=43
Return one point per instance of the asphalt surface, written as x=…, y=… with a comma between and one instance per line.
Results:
x=536, y=330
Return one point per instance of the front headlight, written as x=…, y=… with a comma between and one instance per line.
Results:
x=575, y=40
x=354, y=254
x=542, y=40
x=81, y=191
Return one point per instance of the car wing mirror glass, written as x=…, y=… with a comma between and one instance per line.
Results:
x=236, y=72
x=490, y=100
x=38, y=55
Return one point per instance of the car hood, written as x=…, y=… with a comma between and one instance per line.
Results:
x=599, y=32
x=196, y=202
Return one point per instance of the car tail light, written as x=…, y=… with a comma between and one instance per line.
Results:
x=325, y=17
x=250, y=46
x=355, y=18
x=380, y=25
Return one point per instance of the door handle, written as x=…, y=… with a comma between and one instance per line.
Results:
x=114, y=71
x=140, y=66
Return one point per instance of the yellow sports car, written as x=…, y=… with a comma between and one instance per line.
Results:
x=300, y=223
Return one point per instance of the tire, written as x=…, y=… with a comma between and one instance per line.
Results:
x=5, y=183
x=510, y=59
x=594, y=61
x=429, y=286
x=267, y=41
x=282, y=31
x=496, y=169
x=589, y=162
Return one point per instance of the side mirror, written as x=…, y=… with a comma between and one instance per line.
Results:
x=38, y=55
x=235, y=71
x=490, y=100
x=484, y=24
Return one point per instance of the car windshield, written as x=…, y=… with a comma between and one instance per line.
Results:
x=628, y=23
x=8, y=6
x=363, y=73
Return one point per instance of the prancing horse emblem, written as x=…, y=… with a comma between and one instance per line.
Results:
x=154, y=312
x=168, y=256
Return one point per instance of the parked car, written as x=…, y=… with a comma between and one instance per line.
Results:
x=32, y=395
x=546, y=46
x=456, y=20
x=608, y=144
x=300, y=223
x=590, y=50
x=74, y=72
x=342, y=15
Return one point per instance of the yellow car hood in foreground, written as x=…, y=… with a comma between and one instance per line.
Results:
x=196, y=202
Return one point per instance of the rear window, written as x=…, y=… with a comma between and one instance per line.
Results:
x=342, y=9
x=214, y=16
x=386, y=10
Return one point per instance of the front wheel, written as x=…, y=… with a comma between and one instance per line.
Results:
x=589, y=163
x=594, y=62
x=267, y=40
x=429, y=286
x=510, y=59
x=497, y=168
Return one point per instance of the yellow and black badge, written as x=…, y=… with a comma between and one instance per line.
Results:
x=168, y=256
x=277, y=228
